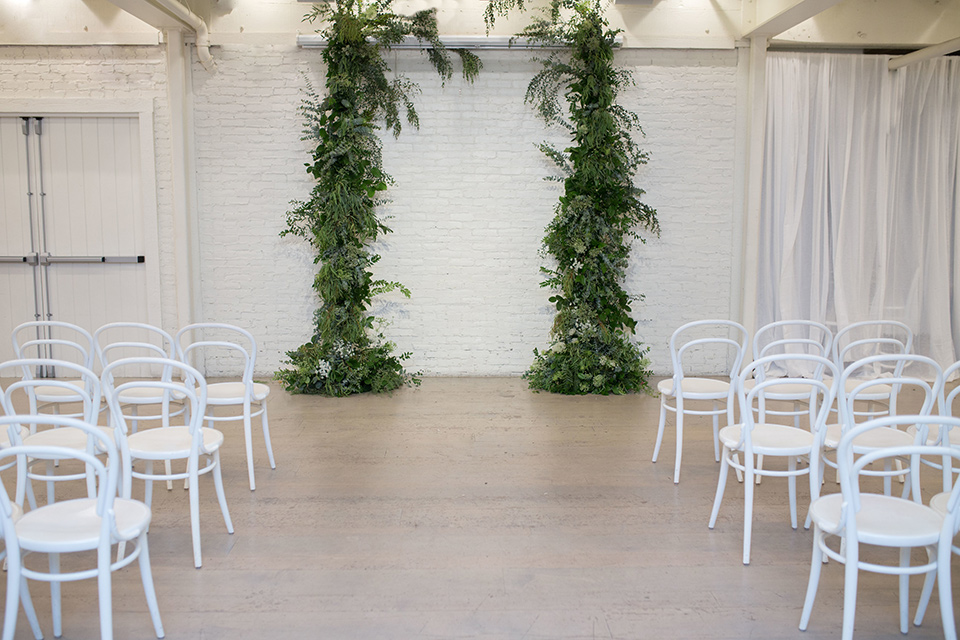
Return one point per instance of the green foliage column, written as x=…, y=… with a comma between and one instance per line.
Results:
x=347, y=354
x=589, y=239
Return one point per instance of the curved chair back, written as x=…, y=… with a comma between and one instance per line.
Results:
x=118, y=340
x=178, y=382
x=870, y=338
x=890, y=387
x=52, y=339
x=210, y=340
x=819, y=394
x=87, y=393
x=716, y=338
x=786, y=337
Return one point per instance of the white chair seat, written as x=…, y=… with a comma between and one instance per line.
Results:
x=232, y=392
x=939, y=502
x=63, y=437
x=146, y=395
x=933, y=436
x=73, y=525
x=170, y=442
x=693, y=388
x=51, y=393
x=783, y=391
x=883, y=520
x=873, y=439
x=771, y=439
x=5, y=437
x=878, y=392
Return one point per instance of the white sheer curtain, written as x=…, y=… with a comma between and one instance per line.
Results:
x=861, y=191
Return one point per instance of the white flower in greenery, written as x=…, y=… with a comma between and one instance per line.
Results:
x=559, y=347
x=323, y=368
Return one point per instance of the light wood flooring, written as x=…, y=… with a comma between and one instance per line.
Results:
x=474, y=508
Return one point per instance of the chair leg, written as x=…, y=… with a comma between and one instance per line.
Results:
x=105, y=592
x=29, y=610
x=54, y=560
x=13, y=597
x=195, y=511
x=146, y=576
x=218, y=485
x=946, y=592
x=748, y=488
x=51, y=489
x=904, y=584
x=716, y=433
x=148, y=483
x=660, y=427
x=850, y=575
x=248, y=441
x=721, y=485
x=265, y=425
x=792, y=490
x=927, y=591
x=816, y=566
x=676, y=466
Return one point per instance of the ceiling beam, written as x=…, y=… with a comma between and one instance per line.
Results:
x=149, y=13
x=926, y=53
x=790, y=17
x=167, y=15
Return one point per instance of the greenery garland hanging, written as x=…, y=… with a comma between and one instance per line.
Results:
x=340, y=218
x=591, y=348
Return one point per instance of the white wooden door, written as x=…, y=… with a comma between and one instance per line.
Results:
x=73, y=204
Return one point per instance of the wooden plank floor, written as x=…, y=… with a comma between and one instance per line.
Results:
x=473, y=508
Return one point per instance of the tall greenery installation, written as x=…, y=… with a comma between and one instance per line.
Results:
x=598, y=216
x=348, y=353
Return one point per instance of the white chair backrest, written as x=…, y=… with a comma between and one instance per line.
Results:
x=106, y=472
x=821, y=394
x=930, y=384
x=51, y=339
x=793, y=336
x=205, y=339
x=946, y=402
x=119, y=340
x=721, y=338
x=871, y=337
x=849, y=470
x=89, y=392
x=178, y=380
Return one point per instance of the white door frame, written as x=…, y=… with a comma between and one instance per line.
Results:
x=143, y=111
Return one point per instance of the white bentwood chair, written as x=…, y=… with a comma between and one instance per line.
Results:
x=83, y=386
x=862, y=340
x=191, y=443
x=858, y=518
x=53, y=340
x=118, y=340
x=753, y=439
x=92, y=524
x=929, y=383
x=203, y=340
x=787, y=337
x=723, y=338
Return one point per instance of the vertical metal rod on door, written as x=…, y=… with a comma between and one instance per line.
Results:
x=49, y=372
x=38, y=312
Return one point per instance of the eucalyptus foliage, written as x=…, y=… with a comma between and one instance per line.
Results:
x=348, y=353
x=600, y=211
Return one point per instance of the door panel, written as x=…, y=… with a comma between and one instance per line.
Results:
x=88, y=204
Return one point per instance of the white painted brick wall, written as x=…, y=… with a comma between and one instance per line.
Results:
x=468, y=210
x=469, y=207
x=105, y=73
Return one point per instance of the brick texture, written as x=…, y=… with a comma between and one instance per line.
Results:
x=468, y=209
